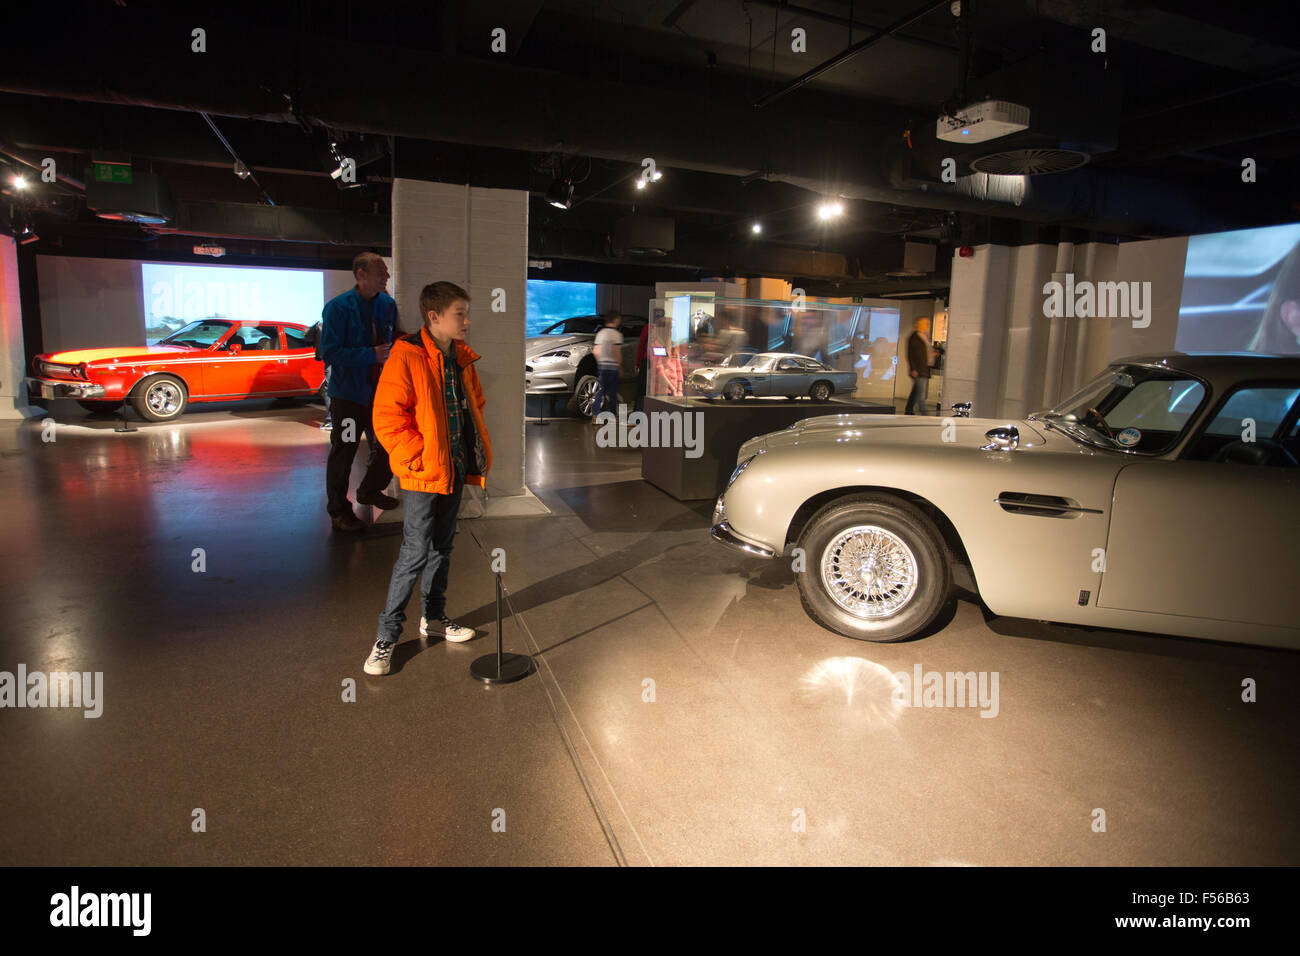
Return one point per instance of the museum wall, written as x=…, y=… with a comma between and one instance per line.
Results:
x=627, y=299
x=1007, y=356
x=88, y=302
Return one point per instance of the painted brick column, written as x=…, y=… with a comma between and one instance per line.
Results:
x=477, y=238
x=13, y=393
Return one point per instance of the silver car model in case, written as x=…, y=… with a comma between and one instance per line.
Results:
x=771, y=373
x=1163, y=496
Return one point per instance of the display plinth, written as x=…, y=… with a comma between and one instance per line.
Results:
x=727, y=426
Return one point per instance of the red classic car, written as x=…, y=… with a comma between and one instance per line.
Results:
x=211, y=360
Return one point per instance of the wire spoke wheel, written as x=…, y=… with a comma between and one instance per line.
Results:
x=869, y=572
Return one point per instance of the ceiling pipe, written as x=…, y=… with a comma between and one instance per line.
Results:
x=542, y=111
x=850, y=53
x=17, y=157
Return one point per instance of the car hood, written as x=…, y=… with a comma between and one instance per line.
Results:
x=110, y=355
x=539, y=344
x=902, y=430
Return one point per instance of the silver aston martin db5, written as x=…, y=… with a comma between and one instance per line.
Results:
x=771, y=373
x=1163, y=496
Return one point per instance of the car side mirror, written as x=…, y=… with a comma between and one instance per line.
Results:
x=960, y=409
x=235, y=347
x=1002, y=438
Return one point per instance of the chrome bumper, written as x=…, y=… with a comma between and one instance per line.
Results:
x=59, y=388
x=722, y=532
x=549, y=383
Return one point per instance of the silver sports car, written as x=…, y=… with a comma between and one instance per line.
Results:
x=771, y=373
x=1164, y=496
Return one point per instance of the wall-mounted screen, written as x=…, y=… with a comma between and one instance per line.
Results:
x=1241, y=292
x=179, y=293
x=551, y=301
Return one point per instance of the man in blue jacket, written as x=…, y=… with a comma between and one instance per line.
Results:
x=357, y=329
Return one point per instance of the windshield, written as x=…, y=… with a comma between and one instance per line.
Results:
x=1133, y=408
x=737, y=359
x=582, y=325
x=199, y=335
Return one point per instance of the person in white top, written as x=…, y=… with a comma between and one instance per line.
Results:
x=609, y=362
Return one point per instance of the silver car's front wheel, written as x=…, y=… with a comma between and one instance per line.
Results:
x=869, y=571
x=875, y=568
x=583, y=402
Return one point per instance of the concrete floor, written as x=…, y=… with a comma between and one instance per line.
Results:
x=223, y=689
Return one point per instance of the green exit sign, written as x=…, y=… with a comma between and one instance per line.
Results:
x=112, y=173
x=857, y=300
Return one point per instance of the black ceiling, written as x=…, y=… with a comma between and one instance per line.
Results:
x=1184, y=92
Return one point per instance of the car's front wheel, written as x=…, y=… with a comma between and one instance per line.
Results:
x=583, y=402
x=734, y=392
x=876, y=568
x=160, y=399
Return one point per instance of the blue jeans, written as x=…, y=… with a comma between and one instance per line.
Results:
x=609, y=381
x=916, y=399
x=428, y=528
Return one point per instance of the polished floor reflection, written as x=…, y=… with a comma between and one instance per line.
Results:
x=685, y=711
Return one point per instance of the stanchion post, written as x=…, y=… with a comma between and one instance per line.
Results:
x=125, y=426
x=501, y=668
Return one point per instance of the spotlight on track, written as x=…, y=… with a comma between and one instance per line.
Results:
x=756, y=228
x=19, y=181
x=560, y=194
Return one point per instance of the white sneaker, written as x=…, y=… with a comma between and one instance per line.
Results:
x=449, y=629
x=380, y=658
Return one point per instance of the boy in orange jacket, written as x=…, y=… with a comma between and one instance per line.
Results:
x=428, y=413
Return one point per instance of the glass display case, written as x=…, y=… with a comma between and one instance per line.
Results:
x=707, y=348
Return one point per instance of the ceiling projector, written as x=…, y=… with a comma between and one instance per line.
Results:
x=981, y=122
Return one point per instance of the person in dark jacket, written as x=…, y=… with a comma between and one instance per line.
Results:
x=357, y=330
x=918, y=360
x=313, y=336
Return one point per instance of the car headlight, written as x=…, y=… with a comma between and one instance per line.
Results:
x=552, y=358
x=736, y=474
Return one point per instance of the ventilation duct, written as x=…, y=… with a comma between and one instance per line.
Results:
x=145, y=200
x=646, y=236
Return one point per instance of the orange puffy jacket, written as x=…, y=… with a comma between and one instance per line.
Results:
x=410, y=415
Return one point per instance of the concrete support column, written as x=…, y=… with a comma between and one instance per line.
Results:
x=13, y=393
x=1057, y=332
x=477, y=238
x=977, y=328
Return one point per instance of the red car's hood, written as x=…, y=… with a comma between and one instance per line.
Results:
x=121, y=354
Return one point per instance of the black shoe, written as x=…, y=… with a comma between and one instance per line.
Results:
x=380, y=500
x=347, y=521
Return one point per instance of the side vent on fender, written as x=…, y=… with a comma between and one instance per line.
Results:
x=1042, y=506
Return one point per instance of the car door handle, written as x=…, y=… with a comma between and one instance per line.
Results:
x=282, y=361
x=1043, y=506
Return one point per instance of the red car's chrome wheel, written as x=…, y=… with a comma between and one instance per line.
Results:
x=159, y=399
